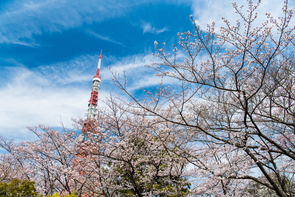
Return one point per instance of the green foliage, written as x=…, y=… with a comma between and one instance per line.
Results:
x=18, y=188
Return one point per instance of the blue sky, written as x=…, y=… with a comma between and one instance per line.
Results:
x=49, y=51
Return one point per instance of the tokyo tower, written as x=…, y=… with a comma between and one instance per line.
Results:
x=88, y=129
x=91, y=112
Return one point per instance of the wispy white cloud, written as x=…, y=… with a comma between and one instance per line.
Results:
x=21, y=20
x=30, y=99
x=106, y=38
x=147, y=28
x=207, y=11
x=138, y=73
x=76, y=70
x=43, y=95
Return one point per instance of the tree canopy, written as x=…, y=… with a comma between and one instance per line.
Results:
x=18, y=188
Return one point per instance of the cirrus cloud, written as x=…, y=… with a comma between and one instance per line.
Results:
x=147, y=28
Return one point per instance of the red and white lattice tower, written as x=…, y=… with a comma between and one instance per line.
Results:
x=91, y=112
x=89, y=128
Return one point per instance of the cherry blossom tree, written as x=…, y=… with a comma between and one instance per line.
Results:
x=47, y=160
x=233, y=105
x=51, y=157
x=11, y=165
x=118, y=154
x=258, y=190
x=10, y=169
x=131, y=159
